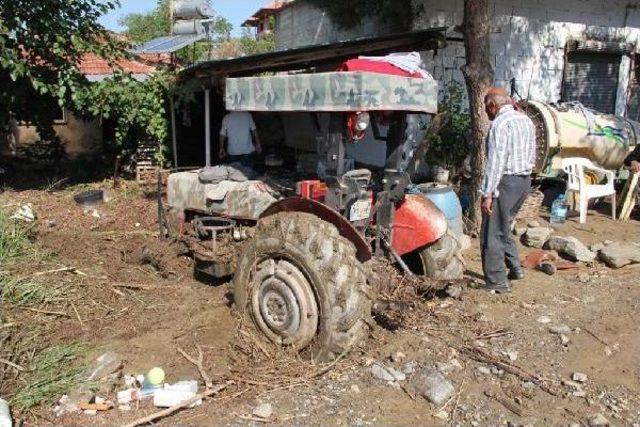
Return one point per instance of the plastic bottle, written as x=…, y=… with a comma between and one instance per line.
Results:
x=5, y=414
x=559, y=210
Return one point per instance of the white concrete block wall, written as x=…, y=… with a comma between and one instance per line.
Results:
x=527, y=42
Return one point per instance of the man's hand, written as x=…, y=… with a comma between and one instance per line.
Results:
x=222, y=153
x=487, y=205
x=258, y=148
x=635, y=166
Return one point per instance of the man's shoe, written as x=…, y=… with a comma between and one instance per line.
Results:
x=516, y=273
x=499, y=288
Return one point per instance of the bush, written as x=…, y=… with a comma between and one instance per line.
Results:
x=451, y=145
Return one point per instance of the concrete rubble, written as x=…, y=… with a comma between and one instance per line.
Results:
x=433, y=386
x=263, y=411
x=571, y=248
x=618, y=255
x=537, y=237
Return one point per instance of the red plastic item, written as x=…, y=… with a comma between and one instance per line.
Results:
x=376, y=67
x=417, y=223
x=312, y=189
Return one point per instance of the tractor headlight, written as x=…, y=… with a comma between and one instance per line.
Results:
x=363, y=121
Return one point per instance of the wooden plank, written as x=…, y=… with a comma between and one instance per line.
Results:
x=629, y=197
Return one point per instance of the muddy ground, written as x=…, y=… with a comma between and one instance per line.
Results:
x=131, y=293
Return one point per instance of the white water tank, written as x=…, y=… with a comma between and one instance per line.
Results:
x=190, y=9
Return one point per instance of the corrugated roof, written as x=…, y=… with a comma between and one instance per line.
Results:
x=318, y=55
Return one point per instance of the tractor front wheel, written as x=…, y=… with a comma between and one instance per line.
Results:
x=301, y=285
x=440, y=261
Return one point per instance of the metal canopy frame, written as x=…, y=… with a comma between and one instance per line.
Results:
x=318, y=55
x=210, y=73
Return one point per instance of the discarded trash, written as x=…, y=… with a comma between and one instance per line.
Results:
x=547, y=261
x=106, y=364
x=155, y=376
x=89, y=198
x=167, y=398
x=560, y=329
x=544, y=319
x=263, y=411
x=484, y=370
x=24, y=213
x=537, y=257
x=127, y=396
x=5, y=414
x=579, y=377
x=99, y=407
x=386, y=373
x=559, y=211
x=547, y=268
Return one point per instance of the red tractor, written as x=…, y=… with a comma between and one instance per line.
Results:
x=300, y=264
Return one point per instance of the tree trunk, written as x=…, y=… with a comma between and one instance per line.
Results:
x=478, y=75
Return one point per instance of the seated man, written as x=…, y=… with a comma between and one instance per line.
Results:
x=239, y=130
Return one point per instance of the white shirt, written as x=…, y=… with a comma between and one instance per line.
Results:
x=237, y=127
x=511, y=149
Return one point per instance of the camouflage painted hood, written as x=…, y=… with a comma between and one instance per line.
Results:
x=336, y=91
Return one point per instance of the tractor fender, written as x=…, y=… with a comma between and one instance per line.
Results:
x=417, y=223
x=298, y=204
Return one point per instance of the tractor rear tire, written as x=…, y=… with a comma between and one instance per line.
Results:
x=300, y=283
x=442, y=260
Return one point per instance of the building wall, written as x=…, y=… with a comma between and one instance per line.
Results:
x=528, y=38
x=300, y=24
x=78, y=135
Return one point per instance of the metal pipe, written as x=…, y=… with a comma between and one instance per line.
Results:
x=174, y=137
x=207, y=124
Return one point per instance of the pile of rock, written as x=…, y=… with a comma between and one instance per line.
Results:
x=613, y=254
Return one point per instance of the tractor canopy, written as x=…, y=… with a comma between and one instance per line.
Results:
x=332, y=92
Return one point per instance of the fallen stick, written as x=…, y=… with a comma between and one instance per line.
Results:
x=480, y=355
x=13, y=365
x=203, y=373
x=252, y=418
x=77, y=315
x=55, y=270
x=506, y=403
x=8, y=325
x=169, y=411
x=51, y=313
x=600, y=340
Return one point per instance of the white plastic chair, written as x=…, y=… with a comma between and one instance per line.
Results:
x=576, y=182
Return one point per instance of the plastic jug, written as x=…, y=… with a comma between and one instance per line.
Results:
x=5, y=414
x=559, y=211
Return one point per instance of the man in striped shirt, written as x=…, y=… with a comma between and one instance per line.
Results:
x=511, y=153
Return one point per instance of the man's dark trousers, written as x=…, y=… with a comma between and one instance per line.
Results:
x=499, y=250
